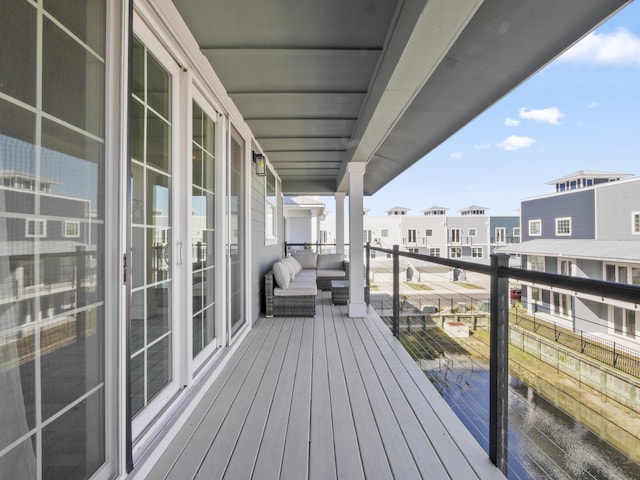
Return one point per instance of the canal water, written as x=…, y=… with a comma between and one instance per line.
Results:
x=544, y=442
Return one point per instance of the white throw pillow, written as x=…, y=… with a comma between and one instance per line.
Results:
x=292, y=269
x=281, y=274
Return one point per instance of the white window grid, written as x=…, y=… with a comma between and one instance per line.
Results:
x=563, y=226
x=535, y=228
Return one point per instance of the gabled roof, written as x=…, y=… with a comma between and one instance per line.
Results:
x=611, y=250
x=473, y=207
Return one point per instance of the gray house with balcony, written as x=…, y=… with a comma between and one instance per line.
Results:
x=590, y=227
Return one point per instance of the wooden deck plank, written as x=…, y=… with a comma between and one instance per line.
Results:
x=348, y=463
x=258, y=387
x=329, y=397
x=207, y=431
x=372, y=452
x=400, y=458
x=435, y=415
x=295, y=460
x=239, y=362
x=322, y=461
x=245, y=453
x=269, y=460
x=422, y=450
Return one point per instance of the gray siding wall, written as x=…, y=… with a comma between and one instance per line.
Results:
x=262, y=256
x=579, y=206
x=589, y=315
x=614, y=204
x=509, y=223
x=589, y=269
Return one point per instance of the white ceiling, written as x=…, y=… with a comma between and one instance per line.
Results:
x=326, y=82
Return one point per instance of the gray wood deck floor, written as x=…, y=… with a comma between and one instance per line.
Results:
x=323, y=398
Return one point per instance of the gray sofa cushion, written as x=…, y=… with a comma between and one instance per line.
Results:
x=306, y=260
x=290, y=266
x=331, y=261
x=281, y=274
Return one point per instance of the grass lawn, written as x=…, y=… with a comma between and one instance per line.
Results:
x=470, y=286
x=418, y=286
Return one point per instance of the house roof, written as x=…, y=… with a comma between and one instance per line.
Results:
x=435, y=207
x=323, y=84
x=397, y=209
x=612, y=250
x=300, y=201
x=472, y=207
x=588, y=174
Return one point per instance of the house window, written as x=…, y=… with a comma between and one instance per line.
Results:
x=455, y=235
x=36, y=228
x=414, y=250
x=368, y=235
x=516, y=231
x=71, y=229
x=563, y=226
x=535, y=228
x=565, y=267
x=428, y=232
x=635, y=223
x=619, y=273
x=434, y=252
x=456, y=252
x=536, y=263
x=501, y=235
x=623, y=322
x=270, y=208
x=473, y=232
x=384, y=233
x=411, y=236
x=476, y=252
x=561, y=304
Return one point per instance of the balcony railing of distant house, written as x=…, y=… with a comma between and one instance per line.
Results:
x=505, y=240
x=499, y=311
x=290, y=248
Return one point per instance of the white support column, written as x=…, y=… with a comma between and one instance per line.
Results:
x=340, y=222
x=357, y=305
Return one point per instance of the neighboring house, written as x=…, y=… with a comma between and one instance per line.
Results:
x=472, y=235
x=589, y=228
x=302, y=217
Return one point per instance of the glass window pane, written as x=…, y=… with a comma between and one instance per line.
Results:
x=158, y=142
x=72, y=76
x=137, y=131
x=158, y=88
x=20, y=462
x=137, y=71
x=157, y=311
x=197, y=125
x=73, y=445
x=85, y=19
x=137, y=321
x=157, y=199
x=18, y=50
x=158, y=371
x=136, y=369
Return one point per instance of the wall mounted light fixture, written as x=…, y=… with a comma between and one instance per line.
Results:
x=261, y=165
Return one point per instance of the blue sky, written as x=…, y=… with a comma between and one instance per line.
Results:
x=581, y=112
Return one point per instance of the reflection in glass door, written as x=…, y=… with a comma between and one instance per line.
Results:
x=53, y=406
x=151, y=169
x=235, y=236
x=203, y=230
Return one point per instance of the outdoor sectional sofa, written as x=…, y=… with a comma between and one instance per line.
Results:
x=293, y=283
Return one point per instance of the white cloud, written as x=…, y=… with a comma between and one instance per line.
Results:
x=482, y=146
x=514, y=142
x=621, y=47
x=456, y=155
x=512, y=122
x=550, y=115
x=594, y=104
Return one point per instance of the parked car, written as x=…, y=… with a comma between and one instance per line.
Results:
x=515, y=294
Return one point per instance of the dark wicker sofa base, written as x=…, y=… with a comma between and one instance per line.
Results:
x=291, y=306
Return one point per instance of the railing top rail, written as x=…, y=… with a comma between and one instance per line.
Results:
x=600, y=288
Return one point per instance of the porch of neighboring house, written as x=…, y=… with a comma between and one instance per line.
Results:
x=324, y=397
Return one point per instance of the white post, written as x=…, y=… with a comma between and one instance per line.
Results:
x=340, y=222
x=357, y=305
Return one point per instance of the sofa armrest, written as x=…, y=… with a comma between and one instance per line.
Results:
x=268, y=293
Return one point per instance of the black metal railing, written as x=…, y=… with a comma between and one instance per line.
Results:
x=499, y=310
x=313, y=247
